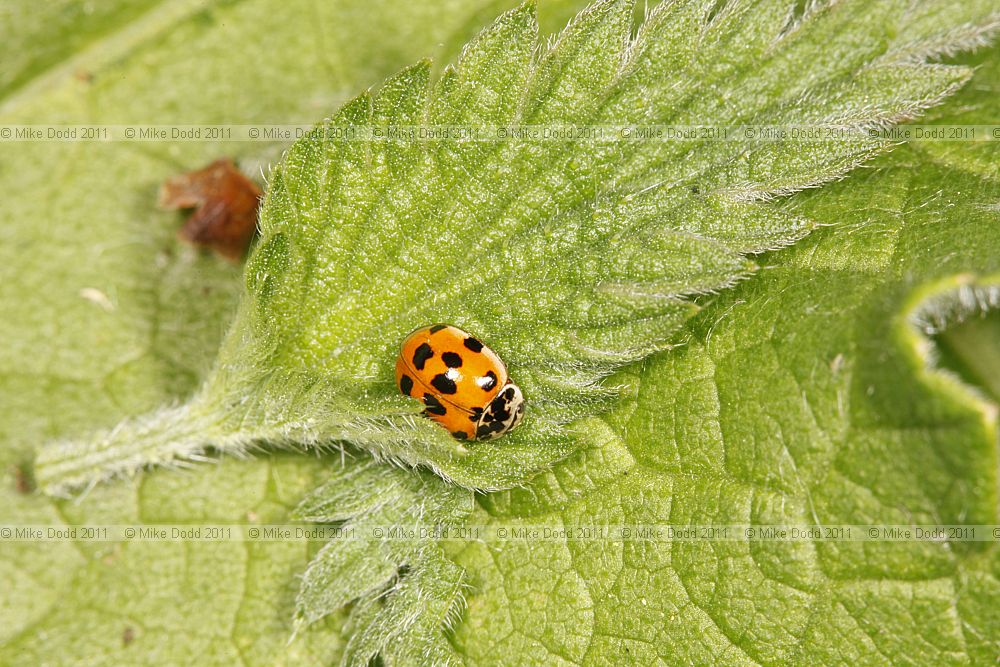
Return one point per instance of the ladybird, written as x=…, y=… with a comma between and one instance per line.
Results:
x=463, y=384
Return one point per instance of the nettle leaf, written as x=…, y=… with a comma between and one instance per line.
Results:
x=78, y=220
x=408, y=592
x=810, y=395
x=816, y=394
x=570, y=258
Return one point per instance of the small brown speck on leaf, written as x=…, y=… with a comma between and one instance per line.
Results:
x=128, y=636
x=22, y=480
x=112, y=556
x=225, y=206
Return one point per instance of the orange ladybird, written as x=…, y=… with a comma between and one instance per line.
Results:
x=463, y=384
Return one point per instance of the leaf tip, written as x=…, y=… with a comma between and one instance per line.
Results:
x=424, y=64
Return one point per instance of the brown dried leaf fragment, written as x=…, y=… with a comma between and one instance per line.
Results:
x=225, y=204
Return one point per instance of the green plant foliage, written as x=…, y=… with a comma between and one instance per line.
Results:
x=82, y=215
x=408, y=591
x=618, y=234
x=809, y=393
x=805, y=396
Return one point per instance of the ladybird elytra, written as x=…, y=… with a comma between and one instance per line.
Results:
x=462, y=383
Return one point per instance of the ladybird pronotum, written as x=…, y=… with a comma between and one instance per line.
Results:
x=463, y=384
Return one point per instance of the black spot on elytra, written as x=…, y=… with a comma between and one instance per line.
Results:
x=406, y=384
x=438, y=327
x=488, y=381
x=444, y=384
x=473, y=344
x=421, y=355
x=476, y=414
x=461, y=435
x=434, y=406
x=452, y=359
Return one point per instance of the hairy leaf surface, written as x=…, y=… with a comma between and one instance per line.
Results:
x=570, y=258
x=810, y=395
x=833, y=328
x=78, y=221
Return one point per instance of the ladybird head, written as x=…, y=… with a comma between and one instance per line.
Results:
x=502, y=414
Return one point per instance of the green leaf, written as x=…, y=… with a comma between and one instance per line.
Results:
x=563, y=603
x=81, y=216
x=570, y=258
x=811, y=395
x=408, y=592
